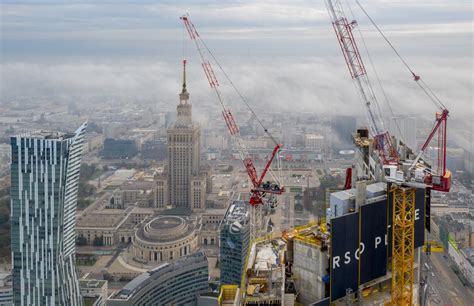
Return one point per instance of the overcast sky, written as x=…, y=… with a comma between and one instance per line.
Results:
x=279, y=53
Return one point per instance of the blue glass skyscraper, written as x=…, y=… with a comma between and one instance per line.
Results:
x=234, y=242
x=44, y=182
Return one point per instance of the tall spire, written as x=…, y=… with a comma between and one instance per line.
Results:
x=184, y=95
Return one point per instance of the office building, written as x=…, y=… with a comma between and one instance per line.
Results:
x=44, y=182
x=119, y=148
x=234, y=242
x=313, y=141
x=177, y=282
x=343, y=126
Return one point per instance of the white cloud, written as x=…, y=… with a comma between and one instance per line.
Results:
x=309, y=83
x=281, y=53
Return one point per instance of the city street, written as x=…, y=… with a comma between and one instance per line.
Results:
x=445, y=286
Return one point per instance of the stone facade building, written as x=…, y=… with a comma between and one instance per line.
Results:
x=186, y=181
x=165, y=238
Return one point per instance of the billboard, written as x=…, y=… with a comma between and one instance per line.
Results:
x=428, y=210
x=420, y=214
x=344, y=267
x=361, y=243
x=373, y=237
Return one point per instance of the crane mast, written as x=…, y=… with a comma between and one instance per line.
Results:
x=343, y=29
x=403, y=176
x=258, y=190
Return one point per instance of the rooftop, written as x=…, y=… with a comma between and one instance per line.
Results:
x=103, y=218
x=91, y=283
x=142, y=280
x=238, y=211
x=237, y=215
x=311, y=233
x=165, y=229
x=265, y=270
x=137, y=185
x=45, y=134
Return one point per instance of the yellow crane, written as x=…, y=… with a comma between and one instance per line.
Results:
x=403, y=175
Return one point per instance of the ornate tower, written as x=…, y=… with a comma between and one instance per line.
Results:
x=184, y=152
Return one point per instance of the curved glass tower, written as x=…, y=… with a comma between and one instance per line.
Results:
x=44, y=181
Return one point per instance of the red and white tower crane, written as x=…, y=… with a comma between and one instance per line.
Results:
x=419, y=174
x=259, y=188
x=343, y=28
x=404, y=173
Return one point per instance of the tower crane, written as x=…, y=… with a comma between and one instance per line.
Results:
x=343, y=29
x=403, y=172
x=260, y=188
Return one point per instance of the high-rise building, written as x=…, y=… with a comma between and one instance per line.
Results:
x=234, y=242
x=404, y=128
x=178, y=282
x=161, y=191
x=184, y=153
x=344, y=127
x=119, y=148
x=44, y=181
x=310, y=264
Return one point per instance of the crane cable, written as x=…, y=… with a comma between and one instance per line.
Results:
x=199, y=41
x=384, y=94
x=426, y=89
x=239, y=94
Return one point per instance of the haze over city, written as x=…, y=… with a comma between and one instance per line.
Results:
x=276, y=51
x=236, y=152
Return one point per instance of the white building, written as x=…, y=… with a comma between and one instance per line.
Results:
x=313, y=141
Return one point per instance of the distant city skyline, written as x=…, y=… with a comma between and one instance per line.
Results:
x=276, y=51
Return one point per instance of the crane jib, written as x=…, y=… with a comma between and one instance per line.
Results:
x=258, y=191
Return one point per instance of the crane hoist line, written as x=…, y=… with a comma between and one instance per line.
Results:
x=343, y=29
x=260, y=188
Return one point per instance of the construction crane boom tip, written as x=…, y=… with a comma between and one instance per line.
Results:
x=259, y=189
